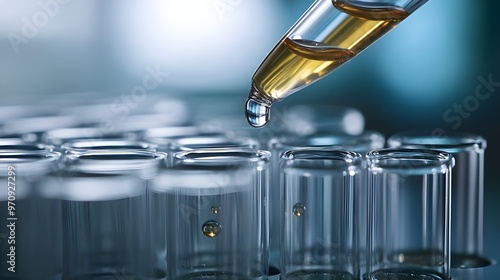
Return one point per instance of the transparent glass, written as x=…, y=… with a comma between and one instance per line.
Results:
x=468, y=190
x=408, y=214
x=21, y=145
x=104, y=213
x=330, y=33
x=83, y=146
x=362, y=143
x=210, y=215
x=31, y=242
x=319, y=228
x=211, y=142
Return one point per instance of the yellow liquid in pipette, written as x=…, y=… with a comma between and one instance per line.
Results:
x=295, y=63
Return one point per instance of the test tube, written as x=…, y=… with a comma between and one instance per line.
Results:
x=319, y=227
x=210, y=142
x=30, y=234
x=82, y=146
x=409, y=214
x=210, y=215
x=104, y=213
x=330, y=33
x=21, y=145
x=468, y=190
x=362, y=143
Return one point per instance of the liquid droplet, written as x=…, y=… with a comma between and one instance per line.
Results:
x=257, y=114
x=211, y=228
x=215, y=209
x=299, y=209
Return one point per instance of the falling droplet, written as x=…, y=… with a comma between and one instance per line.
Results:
x=257, y=114
x=211, y=228
x=299, y=209
x=215, y=209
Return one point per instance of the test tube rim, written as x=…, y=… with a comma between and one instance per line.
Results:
x=417, y=161
x=213, y=157
x=38, y=162
x=78, y=146
x=362, y=143
x=19, y=144
x=320, y=159
x=221, y=140
x=106, y=162
x=454, y=142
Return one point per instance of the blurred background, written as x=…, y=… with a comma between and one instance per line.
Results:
x=439, y=70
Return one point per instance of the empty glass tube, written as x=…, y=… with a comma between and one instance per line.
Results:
x=319, y=228
x=468, y=191
x=366, y=141
x=31, y=244
x=408, y=214
x=210, y=142
x=210, y=215
x=330, y=33
x=21, y=145
x=83, y=146
x=104, y=213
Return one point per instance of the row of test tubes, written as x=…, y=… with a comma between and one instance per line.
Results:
x=171, y=198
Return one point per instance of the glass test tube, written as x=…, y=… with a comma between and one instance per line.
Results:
x=210, y=142
x=319, y=228
x=330, y=33
x=210, y=215
x=104, y=213
x=468, y=190
x=362, y=143
x=83, y=146
x=31, y=246
x=409, y=214
x=21, y=145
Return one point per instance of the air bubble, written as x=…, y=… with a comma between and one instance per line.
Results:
x=299, y=209
x=211, y=228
